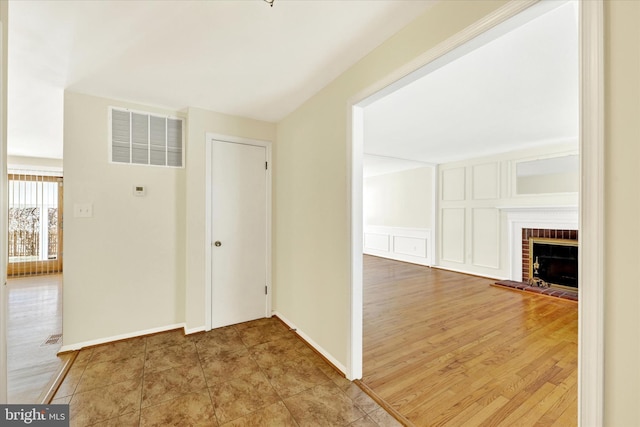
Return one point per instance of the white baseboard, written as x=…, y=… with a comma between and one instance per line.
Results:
x=81, y=345
x=312, y=343
x=471, y=273
x=194, y=330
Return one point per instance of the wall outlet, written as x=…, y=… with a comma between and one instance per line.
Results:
x=82, y=210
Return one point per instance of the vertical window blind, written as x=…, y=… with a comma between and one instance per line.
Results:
x=35, y=224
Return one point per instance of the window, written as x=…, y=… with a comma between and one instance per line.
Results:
x=146, y=139
x=35, y=224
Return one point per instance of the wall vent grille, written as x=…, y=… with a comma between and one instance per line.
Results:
x=145, y=139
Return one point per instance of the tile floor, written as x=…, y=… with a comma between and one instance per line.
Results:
x=251, y=374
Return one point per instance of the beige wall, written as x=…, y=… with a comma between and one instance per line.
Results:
x=400, y=199
x=139, y=262
x=311, y=214
x=622, y=213
x=311, y=241
x=200, y=122
x=123, y=267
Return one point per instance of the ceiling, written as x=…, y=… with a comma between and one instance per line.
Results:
x=516, y=87
x=237, y=57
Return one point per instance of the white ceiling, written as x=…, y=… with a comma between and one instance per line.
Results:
x=236, y=57
x=514, y=87
x=518, y=89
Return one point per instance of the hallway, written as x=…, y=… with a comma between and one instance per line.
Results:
x=34, y=337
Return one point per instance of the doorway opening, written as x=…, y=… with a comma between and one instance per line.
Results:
x=590, y=200
x=35, y=205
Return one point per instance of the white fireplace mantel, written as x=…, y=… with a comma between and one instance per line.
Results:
x=544, y=217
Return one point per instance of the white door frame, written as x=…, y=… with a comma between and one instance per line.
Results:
x=210, y=137
x=4, y=209
x=591, y=316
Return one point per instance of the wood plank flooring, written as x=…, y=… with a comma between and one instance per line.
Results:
x=448, y=349
x=34, y=314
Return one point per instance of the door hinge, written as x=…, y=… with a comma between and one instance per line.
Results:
x=266, y=165
x=265, y=290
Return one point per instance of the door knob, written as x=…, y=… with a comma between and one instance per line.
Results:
x=217, y=243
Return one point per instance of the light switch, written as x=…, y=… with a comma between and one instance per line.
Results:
x=82, y=210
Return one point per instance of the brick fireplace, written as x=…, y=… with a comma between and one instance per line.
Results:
x=535, y=221
x=551, y=234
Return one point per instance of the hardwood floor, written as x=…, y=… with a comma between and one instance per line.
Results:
x=34, y=314
x=444, y=348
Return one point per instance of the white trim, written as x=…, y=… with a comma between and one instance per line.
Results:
x=519, y=218
x=311, y=342
x=591, y=353
x=81, y=345
x=392, y=235
x=435, y=215
x=469, y=273
x=209, y=138
x=3, y=220
x=355, y=151
x=592, y=219
x=194, y=330
x=207, y=233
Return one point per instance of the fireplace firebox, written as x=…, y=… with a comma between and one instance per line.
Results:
x=554, y=262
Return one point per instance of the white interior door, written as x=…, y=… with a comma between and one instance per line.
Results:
x=239, y=233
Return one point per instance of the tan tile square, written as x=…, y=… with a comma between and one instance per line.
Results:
x=118, y=350
x=275, y=352
x=84, y=356
x=105, y=403
x=242, y=396
x=364, y=422
x=338, y=379
x=361, y=399
x=193, y=409
x=263, y=333
x=254, y=323
x=384, y=419
x=323, y=405
x=162, y=358
x=161, y=386
x=126, y=420
x=166, y=339
x=219, y=343
x=273, y=415
x=215, y=334
x=71, y=380
x=293, y=376
x=233, y=365
x=61, y=400
x=110, y=372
